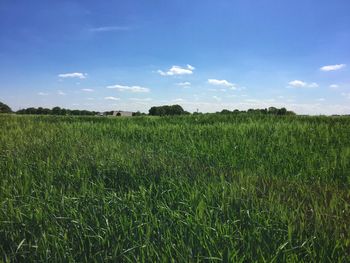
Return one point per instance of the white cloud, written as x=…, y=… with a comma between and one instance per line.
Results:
x=312, y=85
x=134, y=89
x=346, y=95
x=297, y=84
x=185, y=84
x=321, y=99
x=87, y=90
x=178, y=100
x=222, y=82
x=177, y=70
x=61, y=93
x=216, y=98
x=140, y=99
x=43, y=93
x=190, y=67
x=334, y=86
x=332, y=67
x=109, y=28
x=302, y=84
x=73, y=75
x=111, y=98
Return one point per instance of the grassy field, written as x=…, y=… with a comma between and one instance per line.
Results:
x=195, y=188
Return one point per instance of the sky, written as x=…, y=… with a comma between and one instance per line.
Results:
x=204, y=55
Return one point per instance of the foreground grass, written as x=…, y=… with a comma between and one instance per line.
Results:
x=193, y=188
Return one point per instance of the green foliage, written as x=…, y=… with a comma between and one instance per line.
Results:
x=167, y=110
x=57, y=111
x=270, y=111
x=4, y=108
x=198, y=188
x=138, y=113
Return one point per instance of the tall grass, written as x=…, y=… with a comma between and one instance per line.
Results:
x=194, y=188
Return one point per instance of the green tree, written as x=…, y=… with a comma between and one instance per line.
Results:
x=167, y=110
x=4, y=108
x=56, y=111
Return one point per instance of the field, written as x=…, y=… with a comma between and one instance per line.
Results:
x=230, y=188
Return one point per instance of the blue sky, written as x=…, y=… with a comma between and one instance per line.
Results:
x=206, y=55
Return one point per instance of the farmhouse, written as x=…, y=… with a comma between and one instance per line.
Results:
x=122, y=113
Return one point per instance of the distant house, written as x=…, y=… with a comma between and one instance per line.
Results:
x=122, y=113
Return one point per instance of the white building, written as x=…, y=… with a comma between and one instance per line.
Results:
x=122, y=113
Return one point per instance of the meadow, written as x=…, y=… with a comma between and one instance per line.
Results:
x=199, y=188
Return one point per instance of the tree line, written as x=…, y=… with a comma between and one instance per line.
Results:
x=165, y=110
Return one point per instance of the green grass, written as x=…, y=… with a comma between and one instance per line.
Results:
x=195, y=188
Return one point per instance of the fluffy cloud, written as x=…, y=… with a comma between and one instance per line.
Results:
x=43, y=93
x=61, y=93
x=134, y=89
x=302, y=84
x=87, y=90
x=177, y=70
x=216, y=98
x=332, y=67
x=111, y=98
x=222, y=82
x=73, y=75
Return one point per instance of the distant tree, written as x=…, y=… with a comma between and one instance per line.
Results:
x=63, y=112
x=224, y=111
x=4, y=108
x=272, y=110
x=282, y=111
x=138, y=113
x=56, y=111
x=167, y=110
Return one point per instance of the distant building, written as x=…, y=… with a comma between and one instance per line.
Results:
x=122, y=113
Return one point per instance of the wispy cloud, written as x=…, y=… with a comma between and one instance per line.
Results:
x=334, y=86
x=43, y=93
x=302, y=84
x=216, y=98
x=134, y=89
x=179, y=100
x=177, y=70
x=87, y=90
x=222, y=83
x=141, y=99
x=109, y=29
x=346, y=95
x=61, y=93
x=185, y=84
x=111, y=98
x=333, y=67
x=73, y=75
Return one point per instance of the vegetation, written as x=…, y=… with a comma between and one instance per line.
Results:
x=4, y=108
x=219, y=187
x=270, y=110
x=167, y=110
x=56, y=111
